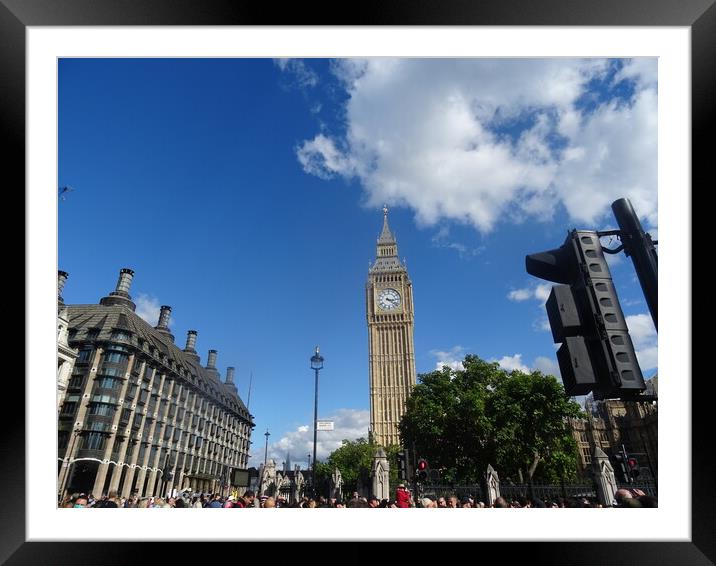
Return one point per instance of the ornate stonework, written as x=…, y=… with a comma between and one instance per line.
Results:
x=391, y=352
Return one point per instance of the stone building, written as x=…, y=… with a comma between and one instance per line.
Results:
x=66, y=355
x=140, y=415
x=613, y=423
x=391, y=351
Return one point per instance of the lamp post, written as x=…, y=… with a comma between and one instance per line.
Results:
x=317, y=365
x=266, y=434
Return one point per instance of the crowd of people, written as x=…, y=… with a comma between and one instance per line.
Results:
x=403, y=499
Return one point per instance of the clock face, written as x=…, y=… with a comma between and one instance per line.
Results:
x=388, y=299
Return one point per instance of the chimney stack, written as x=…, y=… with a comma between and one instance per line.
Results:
x=163, y=324
x=190, y=342
x=123, y=283
x=164, y=313
x=211, y=363
x=61, y=280
x=230, y=375
x=120, y=296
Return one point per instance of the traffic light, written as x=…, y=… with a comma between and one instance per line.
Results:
x=633, y=465
x=423, y=470
x=584, y=314
x=622, y=465
x=402, y=466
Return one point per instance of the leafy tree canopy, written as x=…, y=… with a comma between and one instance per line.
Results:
x=463, y=420
x=354, y=459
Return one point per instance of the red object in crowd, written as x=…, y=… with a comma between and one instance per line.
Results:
x=402, y=497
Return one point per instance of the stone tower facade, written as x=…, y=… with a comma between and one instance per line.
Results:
x=391, y=352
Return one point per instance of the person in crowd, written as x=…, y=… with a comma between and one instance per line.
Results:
x=620, y=496
x=81, y=501
x=247, y=500
x=373, y=502
x=648, y=501
x=501, y=503
x=270, y=503
x=215, y=502
x=402, y=496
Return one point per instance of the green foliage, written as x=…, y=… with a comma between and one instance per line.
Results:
x=463, y=420
x=355, y=461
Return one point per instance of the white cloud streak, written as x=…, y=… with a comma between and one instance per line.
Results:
x=472, y=140
x=452, y=358
x=149, y=308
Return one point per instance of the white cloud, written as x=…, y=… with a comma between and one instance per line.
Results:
x=148, y=308
x=520, y=295
x=434, y=135
x=303, y=75
x=547, y=366
x=452, y=358
x=644, y=336
x=321, y=157
x=511, y=363
x=297, y=444
x=540, y=292
x=442, y=240
x=641, y=330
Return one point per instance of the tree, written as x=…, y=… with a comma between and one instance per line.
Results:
x=463, y=420
x=355, y=461
x=530, y=412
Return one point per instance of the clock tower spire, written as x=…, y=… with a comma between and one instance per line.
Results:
x=391, y=352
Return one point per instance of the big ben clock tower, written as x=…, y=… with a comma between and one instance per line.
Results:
x=391, y=353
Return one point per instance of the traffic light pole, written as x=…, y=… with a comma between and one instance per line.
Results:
x=627, y=476
x=639, y=246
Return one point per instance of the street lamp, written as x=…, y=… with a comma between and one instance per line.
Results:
x=317, y=365
x=266, y=434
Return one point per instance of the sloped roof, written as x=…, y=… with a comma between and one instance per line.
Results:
x=107, y=318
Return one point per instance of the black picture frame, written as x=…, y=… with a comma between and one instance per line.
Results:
x=699, y=15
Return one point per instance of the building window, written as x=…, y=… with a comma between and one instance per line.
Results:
x=104, y=382
x=116, y=357
x=121, y=335
x=69, y=408
x=137, y=421
x=94, y=441
x=112, y=371
x=76, y=381
x=84, y=355
x=586, y=456
x=104, y=399
x=63, y=438
x=101, y=409
x=131, y=391
x=126, y=413
x=148, y=373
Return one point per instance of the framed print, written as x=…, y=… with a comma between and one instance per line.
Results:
x=76, y=66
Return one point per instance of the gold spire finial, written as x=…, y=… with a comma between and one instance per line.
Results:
x=385, y=209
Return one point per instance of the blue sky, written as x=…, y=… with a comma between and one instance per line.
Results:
x=247, y=195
